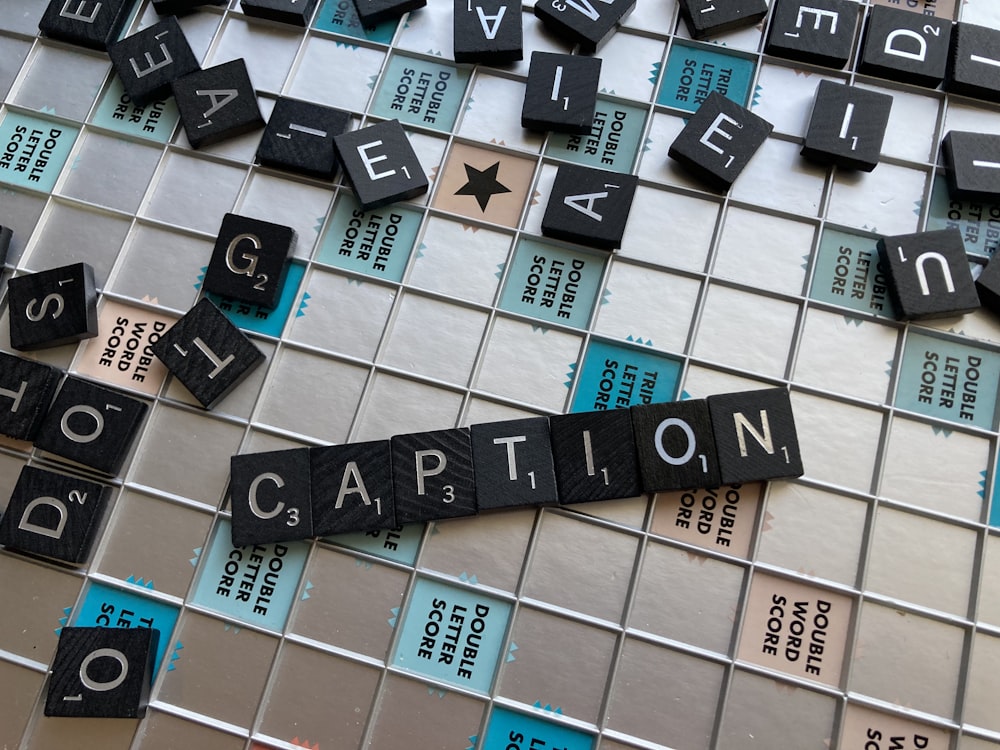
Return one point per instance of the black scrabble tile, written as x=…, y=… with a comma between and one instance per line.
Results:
x=381, y=164
x=588, y=23
x=270, y=497
x=595, y=457
x=150, y=60
x=432, y=476
x=299, y=138
x=53, y=307
x=217, y=103
x=88, y=23
x=929, y=274
x=676, y=446
x=706, y=18
x=102, y=673
x=904, y=46
x=513, y=463
x=719, y=140
x=372, y=12
x=561, y=93
x=988, y=285
x=26, y=390
x=352, y=488
x=296, y=12
x=250, y=260
x=91, y=424
x=488, y=31
x=974, y=62
x=847, y=126
x=972, y=161
x=53, y=515
x=755, y=436
x=180, y=7
x=207, y=353
x=820, y=32
x=589, y=206
x=6, y=235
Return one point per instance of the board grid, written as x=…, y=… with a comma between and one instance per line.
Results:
x=608, y=625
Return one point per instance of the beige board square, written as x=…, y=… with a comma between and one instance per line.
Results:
x=484, y=184
x=717, y=519
x=868, y=729
x=795, y=628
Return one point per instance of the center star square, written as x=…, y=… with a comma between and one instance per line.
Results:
x=482, y=184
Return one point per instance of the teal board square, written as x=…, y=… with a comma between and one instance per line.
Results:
x=259, y=319
x=849, y=273
x=421, y=92
x=693, y=72
x=615, y=376
x=376, y=243
x=340, y=17
x=978, y=222
x=613, y=141
x=116, y=111
x=508, y=729
x=34, y=150
x=399, y=545
x=995, y=502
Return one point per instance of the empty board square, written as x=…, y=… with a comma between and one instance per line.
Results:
x=813, y=31
x=988, y=286
x=972, y=161
x=87, y=23
x=270, y=497
x=595, y=457
x=719, y=140
x=217, y=103
x=929, y=274
x=102, y=672
x=589, y=206
x=561, y=93
x=372, y=12
x=513, y=463
x=973, y=62
x=755, y=435
x=53, y=307
x=297, y=12
x=224, y=356
x=299, y=137
x=847, y=126
x=91, y=425
x=250, y=260
x=675, y=445
x=904, y=46
x=26, y=390
x=583, y=22
x=150, y=60
x=362, y=153
x=706, y=18
x=53, y=515
x=488, y=32
x=432, y=476
x=352, y=488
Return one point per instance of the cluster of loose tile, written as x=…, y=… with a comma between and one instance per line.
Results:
x=300, y=493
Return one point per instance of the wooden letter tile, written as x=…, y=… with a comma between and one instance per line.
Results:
x=270, y=497
x=352, y=488
x=54, y=307
x=595, y=456
x=513, y=463
x=676, y=446
x=432, y=475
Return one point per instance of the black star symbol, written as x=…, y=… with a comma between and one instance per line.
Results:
x=482, y=184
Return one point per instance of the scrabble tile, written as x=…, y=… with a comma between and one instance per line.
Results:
x=299, y=138
x=53, y=307
x=372, y=12
x=584, y=22
x=905, y=46
x=217, y=103
x=988, y=285
x=270, y=497
x=676, y=446
x=88, y=23
x=513, y=463
x=755, y=436
x=589, y=206
x=561, y=93
x=974, y=62
x=352, y=488
x=595, y=457
x=53, y=515
x=150, y=60
x=719, y=140
x=381, y=164
x=179, y=7
x=706, y=18
x=207, y=353
x=432, y=476
x=250, y=260
x=847, y=126
x=929, y=274
x=972, y=161
x=813, y=31
x=91, y=424
x=102, y=672
x=488, y=31
x=26, y=390
x=6, y=235
x=296, y=12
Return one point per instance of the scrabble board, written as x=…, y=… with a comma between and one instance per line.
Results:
x=855, y=608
